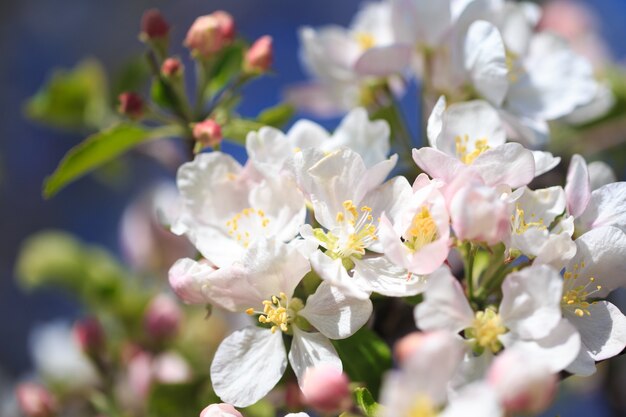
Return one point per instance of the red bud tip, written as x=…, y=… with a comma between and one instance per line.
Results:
x=208, y=133
x=260, y=56
x=162, y=318
x=89, y=335
x=172, y=67
x=153, y=25
x=209, y=34
x=35, y=401
x=131, y=105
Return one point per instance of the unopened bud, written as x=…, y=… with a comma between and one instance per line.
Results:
x=220, y=410
x=260, y=56
x=326, y=388
x=523, y=384
x=89, y=335
x=208, y=133
x=131, y=105
x=153, y=25
x=162, y=318
x=35, y=401
x=172, y=68
x=209, y=34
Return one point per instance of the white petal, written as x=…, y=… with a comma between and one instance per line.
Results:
x=603, y=333
x=600, y=254
x=378, y=274
x=445, y=306
x=583, y=365
x=600, y=173
x=435, y=122
x=558, y=349
x=509, y=164
x=334, y=314
x=438, y=164
x=333, y=271
x=383, y=61
x=485, y=59
x=578, y=186
x=544, y=162
x=306, y=134
x=311, y=349
x=188, y=278
x=531, y=300
x=607, y=207
x=475, y=400
x=247, y=365
x=268, y=149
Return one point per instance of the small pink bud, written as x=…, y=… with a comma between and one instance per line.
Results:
x=326, y=389
x=89, y=335
x=172, y=68
x=260, y=55
x=131, y=105
x=220, y=410
x=208, y=133
x=209, y=34
x=35, y=401
x=523, y=384
x=162, y=318
x=153, y=25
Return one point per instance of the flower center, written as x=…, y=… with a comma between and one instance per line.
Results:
x=576, y=291
x=486, y=328
x=246, y=225
x=357, y=232
x=520, y=225
x=365, y=40
x=279, y=312
x=462, y=148
x=422, y=407
x=423, y=230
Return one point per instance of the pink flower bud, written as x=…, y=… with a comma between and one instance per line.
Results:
x=260, y=55
x=523, y=384
x=326, y=389
x=35, y=401
x=171, y=368
x=172, y=68
x=208, y=133
x=210, y=33
x=162, y=318
x=89, y=335
x=478, y=213
x=220, y=410
x=153, y=25
x=131, y=105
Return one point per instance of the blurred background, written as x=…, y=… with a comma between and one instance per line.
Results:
x=37, y=36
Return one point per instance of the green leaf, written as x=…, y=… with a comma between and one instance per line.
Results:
x=227, y=66
x=179, y=400
x=72, y=99
x=163, y=95
x=237, y=129
x=133, y=76
x=98, y=149
x=277, y=116
x=365, y=358
x=365, y=401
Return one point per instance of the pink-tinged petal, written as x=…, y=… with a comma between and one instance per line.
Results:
x=313, y=98
x=577, y=186
x=557, y=350
x=445, y=306
x=188, y=279
x=509, y=164
x=379, y=275
x=383, y=61
x=531, y=132
x=607, y=207
x=333, y=271
x=477, y=399
x=531, y=299
x=438, y=164
x=247, y=365
x=310, y=350
x=485, y=60
x=334, y=314
x=600, y=255
x=603, y=332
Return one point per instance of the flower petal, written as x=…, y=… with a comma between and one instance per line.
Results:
x=378, y=274
x=509, y=164
x=577, y=186
x=607, y=207
x=333, y=271
x=382, y=61
x=311, y=349
x=247, y=365
x=334, y=314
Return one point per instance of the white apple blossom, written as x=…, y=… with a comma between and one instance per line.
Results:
x=224, y=209
x=348, y=202
x=528, y=317
x=249, y=362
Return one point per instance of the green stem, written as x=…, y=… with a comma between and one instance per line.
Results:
x=469, y=270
